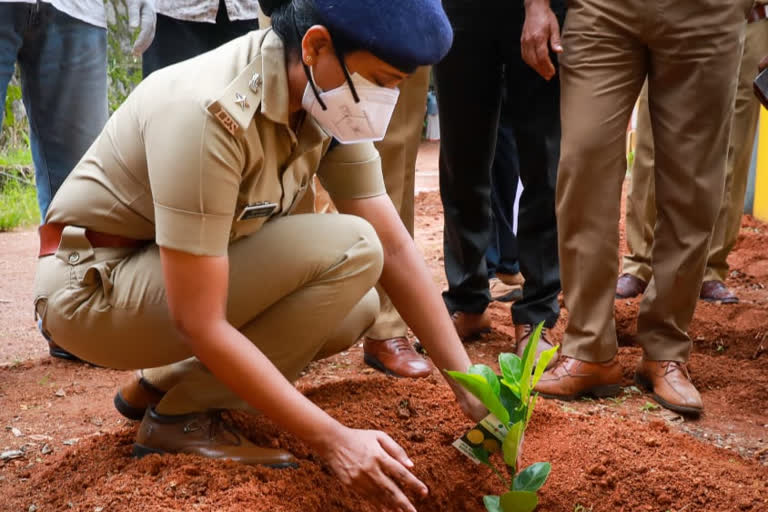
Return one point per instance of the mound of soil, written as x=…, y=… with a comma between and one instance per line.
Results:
x=610, y=464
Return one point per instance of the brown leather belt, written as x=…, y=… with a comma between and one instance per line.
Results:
x=758, y=12
x=50, y=238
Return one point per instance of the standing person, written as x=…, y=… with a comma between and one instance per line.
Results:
x=61, y=49
x=386, y=346
x=487, y=36
x=641, y=212
x=688, y=52
x=172, y=245
x=504, y=279
x=187, y=28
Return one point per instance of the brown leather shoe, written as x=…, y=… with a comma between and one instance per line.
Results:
x=511, y=279
x=503, y=292
x=56, y=351
x=716, y=291
x=470, y=326
x=523, y=334
x=395, y=356
x=206, y=434
x=571, y=378
x=629, y=286
x=670, y=384
x=133, y=398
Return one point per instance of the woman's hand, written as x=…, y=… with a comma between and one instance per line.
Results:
x=373, y=464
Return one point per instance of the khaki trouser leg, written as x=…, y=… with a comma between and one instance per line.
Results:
x=398, y=153
x=694, y=58
x=744, y=125
x=599, y=86
x=641, y=198
x=296, y=287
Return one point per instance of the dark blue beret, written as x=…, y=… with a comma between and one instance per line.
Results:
x=403, y=33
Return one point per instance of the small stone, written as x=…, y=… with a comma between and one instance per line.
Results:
x=11, y=454
x=32, y=508
x=40, y=437
x=70, y=442
x=16, y=432
x=60, y=392
x=98, y=509
x=46, y=449
x=652, y=442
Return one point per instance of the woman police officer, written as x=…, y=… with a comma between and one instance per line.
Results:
x=171, y=246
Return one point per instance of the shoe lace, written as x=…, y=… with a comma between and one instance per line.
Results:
x=216, y=424
x=671, y=366
x=401, y=344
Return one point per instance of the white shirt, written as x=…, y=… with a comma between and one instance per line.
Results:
x=89, y=11
x=205, y=10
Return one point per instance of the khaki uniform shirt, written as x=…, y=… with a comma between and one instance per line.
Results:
x=198, y=142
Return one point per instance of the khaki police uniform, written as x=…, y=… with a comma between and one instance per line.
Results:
x=688, y=52
x=398, y=153
x=179, y=164
x=641, y=209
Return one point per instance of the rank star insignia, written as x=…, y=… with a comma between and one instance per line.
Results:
x=241, y=100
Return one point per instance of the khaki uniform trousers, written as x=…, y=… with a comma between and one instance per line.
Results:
x=300, y=289
x=689, y=52
x=641, y=208
x=398, y=153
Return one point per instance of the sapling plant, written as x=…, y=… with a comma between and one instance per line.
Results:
x=510, y=399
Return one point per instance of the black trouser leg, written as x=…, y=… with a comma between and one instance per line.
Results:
x=535, y=107
x=468, y=83
x=178, y=40
x=502, y=254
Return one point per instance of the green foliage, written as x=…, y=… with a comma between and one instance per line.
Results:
x=511, y=400
x=123, y=69
x=18, y=204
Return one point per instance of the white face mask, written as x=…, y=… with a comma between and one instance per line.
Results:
x=349, y=121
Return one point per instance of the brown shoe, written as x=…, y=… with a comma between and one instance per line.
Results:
x=135, y=396
x=670, y=384
x=511, y=279
x=716, y=291
x=395, y=356
x=503, y=292
x=471, y=325
x=571, y=378
x=629, y=286
x=523, y=334
x=206, y=434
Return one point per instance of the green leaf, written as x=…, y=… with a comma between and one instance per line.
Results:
x=511, y=367
x=518, y=501
x=511, y=403
x=532, y=478
x=478, y=386
x=531, y=405
x=511, y=444
x=492, y=503
x=490, y=377
x=542, y=363
x=529, y=356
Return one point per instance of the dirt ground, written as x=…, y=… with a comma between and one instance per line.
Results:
x=66, y=448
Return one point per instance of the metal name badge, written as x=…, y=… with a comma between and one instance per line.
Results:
x=256, y=210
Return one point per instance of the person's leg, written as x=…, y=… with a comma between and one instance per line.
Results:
x=123, y=320
x=641, y=209
x=505, y=175
x=386, y=346
x=601, y=74
x=696, y=70
x=13, y=17
x=469, y=113
x=64, y=81
x=744, y=125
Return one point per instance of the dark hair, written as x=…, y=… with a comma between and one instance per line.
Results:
x=292, y=18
